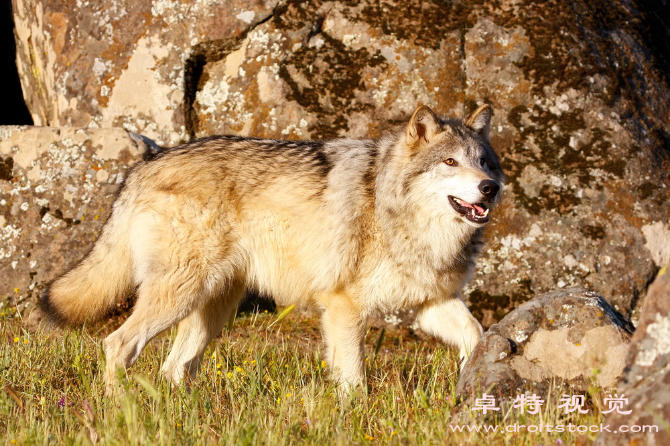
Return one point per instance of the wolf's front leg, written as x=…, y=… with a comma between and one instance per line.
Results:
x=451, y=321
x=344, y=336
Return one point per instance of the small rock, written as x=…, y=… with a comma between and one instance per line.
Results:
x=556, y=338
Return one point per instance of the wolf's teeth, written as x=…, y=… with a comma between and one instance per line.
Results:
x=486, y=212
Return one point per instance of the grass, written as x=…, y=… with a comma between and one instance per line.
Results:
x=257, y=385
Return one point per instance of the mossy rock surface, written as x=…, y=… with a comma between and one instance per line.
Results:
x=579, y=90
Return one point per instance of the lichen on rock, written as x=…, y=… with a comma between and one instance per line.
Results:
x=56, y=190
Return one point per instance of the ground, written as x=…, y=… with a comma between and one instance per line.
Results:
x=262, y=382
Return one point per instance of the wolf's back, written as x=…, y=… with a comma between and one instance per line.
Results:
x=98, y=282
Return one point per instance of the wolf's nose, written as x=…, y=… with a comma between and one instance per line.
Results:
x=489, y=188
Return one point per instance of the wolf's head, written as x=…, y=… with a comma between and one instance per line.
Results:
x=453, y=168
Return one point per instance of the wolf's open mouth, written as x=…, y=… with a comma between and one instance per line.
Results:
x=476, y=213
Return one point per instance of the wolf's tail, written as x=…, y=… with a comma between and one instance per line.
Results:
x=102, y=279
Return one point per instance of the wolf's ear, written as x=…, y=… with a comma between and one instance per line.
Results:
x=422, y=127
x=480, y=121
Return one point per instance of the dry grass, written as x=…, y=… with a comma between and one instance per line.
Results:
x=258, y=385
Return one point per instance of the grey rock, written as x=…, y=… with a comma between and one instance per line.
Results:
x=555, y=339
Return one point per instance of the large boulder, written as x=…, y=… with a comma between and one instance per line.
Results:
x=582, y=116
x=127, y=63
x=646, y=381
x=555, y=340
x=56, y=188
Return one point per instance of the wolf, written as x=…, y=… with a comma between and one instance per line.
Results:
x=352, y=227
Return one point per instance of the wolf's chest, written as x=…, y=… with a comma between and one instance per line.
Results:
x=392, y=286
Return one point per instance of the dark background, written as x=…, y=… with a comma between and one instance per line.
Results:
x=13, y=110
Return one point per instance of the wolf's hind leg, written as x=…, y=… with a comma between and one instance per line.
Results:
x=162, y=301
x=344, y=336
x=452, y=323
x=197, y=330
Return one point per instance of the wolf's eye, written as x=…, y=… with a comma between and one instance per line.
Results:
x=482, y=161
x=450, y=162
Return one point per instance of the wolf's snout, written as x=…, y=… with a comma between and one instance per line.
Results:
x=489, y=189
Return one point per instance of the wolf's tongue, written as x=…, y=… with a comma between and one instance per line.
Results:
x=476, y=209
